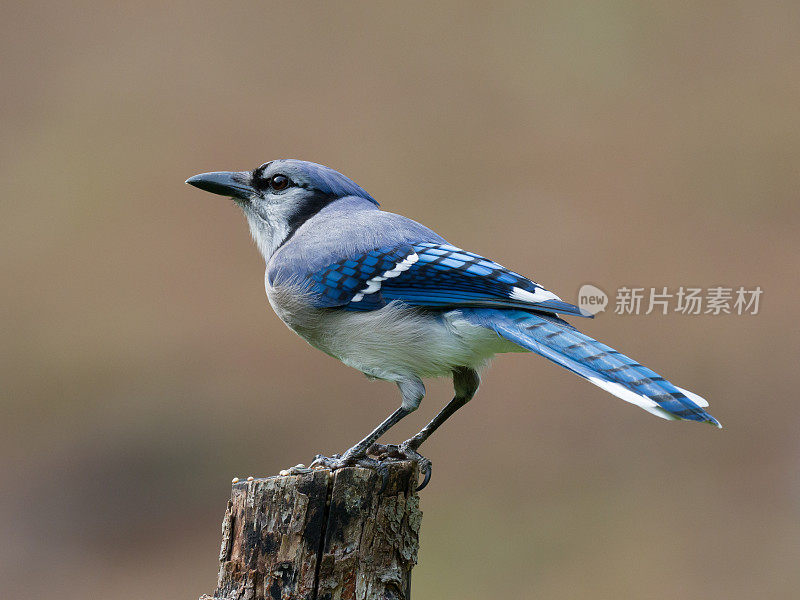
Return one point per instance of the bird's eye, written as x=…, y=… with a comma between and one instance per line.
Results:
x=279, y=182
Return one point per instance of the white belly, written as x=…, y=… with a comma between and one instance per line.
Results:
x=393, y=342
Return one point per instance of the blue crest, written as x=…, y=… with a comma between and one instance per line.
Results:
x=322, y=178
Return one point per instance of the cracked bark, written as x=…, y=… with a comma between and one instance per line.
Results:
x=321, y=536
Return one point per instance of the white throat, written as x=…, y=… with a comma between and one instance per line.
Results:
x=268, y=235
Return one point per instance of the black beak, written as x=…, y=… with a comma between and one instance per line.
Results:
x=225, y=183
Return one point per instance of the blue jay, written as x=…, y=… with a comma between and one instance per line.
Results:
x=396, y=301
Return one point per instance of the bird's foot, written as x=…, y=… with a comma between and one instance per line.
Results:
x=405, y=451
x=375, y=459
x=339, y=461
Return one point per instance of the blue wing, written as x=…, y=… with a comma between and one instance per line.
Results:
x=432, y=275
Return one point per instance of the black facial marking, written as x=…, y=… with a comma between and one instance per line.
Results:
x=313, y=202
x=260, y=182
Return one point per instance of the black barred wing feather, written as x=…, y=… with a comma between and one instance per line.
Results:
x=432, y=275
x=338, y=284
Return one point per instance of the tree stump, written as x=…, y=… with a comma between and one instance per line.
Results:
x=319, y=535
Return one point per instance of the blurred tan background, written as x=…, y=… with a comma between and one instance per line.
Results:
x=614, y=143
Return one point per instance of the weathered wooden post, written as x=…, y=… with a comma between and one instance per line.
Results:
x=319, y=535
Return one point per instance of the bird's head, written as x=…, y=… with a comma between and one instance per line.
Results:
x=279, y=196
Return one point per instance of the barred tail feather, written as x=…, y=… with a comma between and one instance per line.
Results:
x=623, y=377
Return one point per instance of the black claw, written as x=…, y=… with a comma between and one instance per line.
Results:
x=427, y=478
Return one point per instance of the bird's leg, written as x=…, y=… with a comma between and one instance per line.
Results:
x=465, y=382
x=412, y=390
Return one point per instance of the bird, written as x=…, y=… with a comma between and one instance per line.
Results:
x=393, y=299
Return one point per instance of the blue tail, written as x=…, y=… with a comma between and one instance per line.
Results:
x=561, y=343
